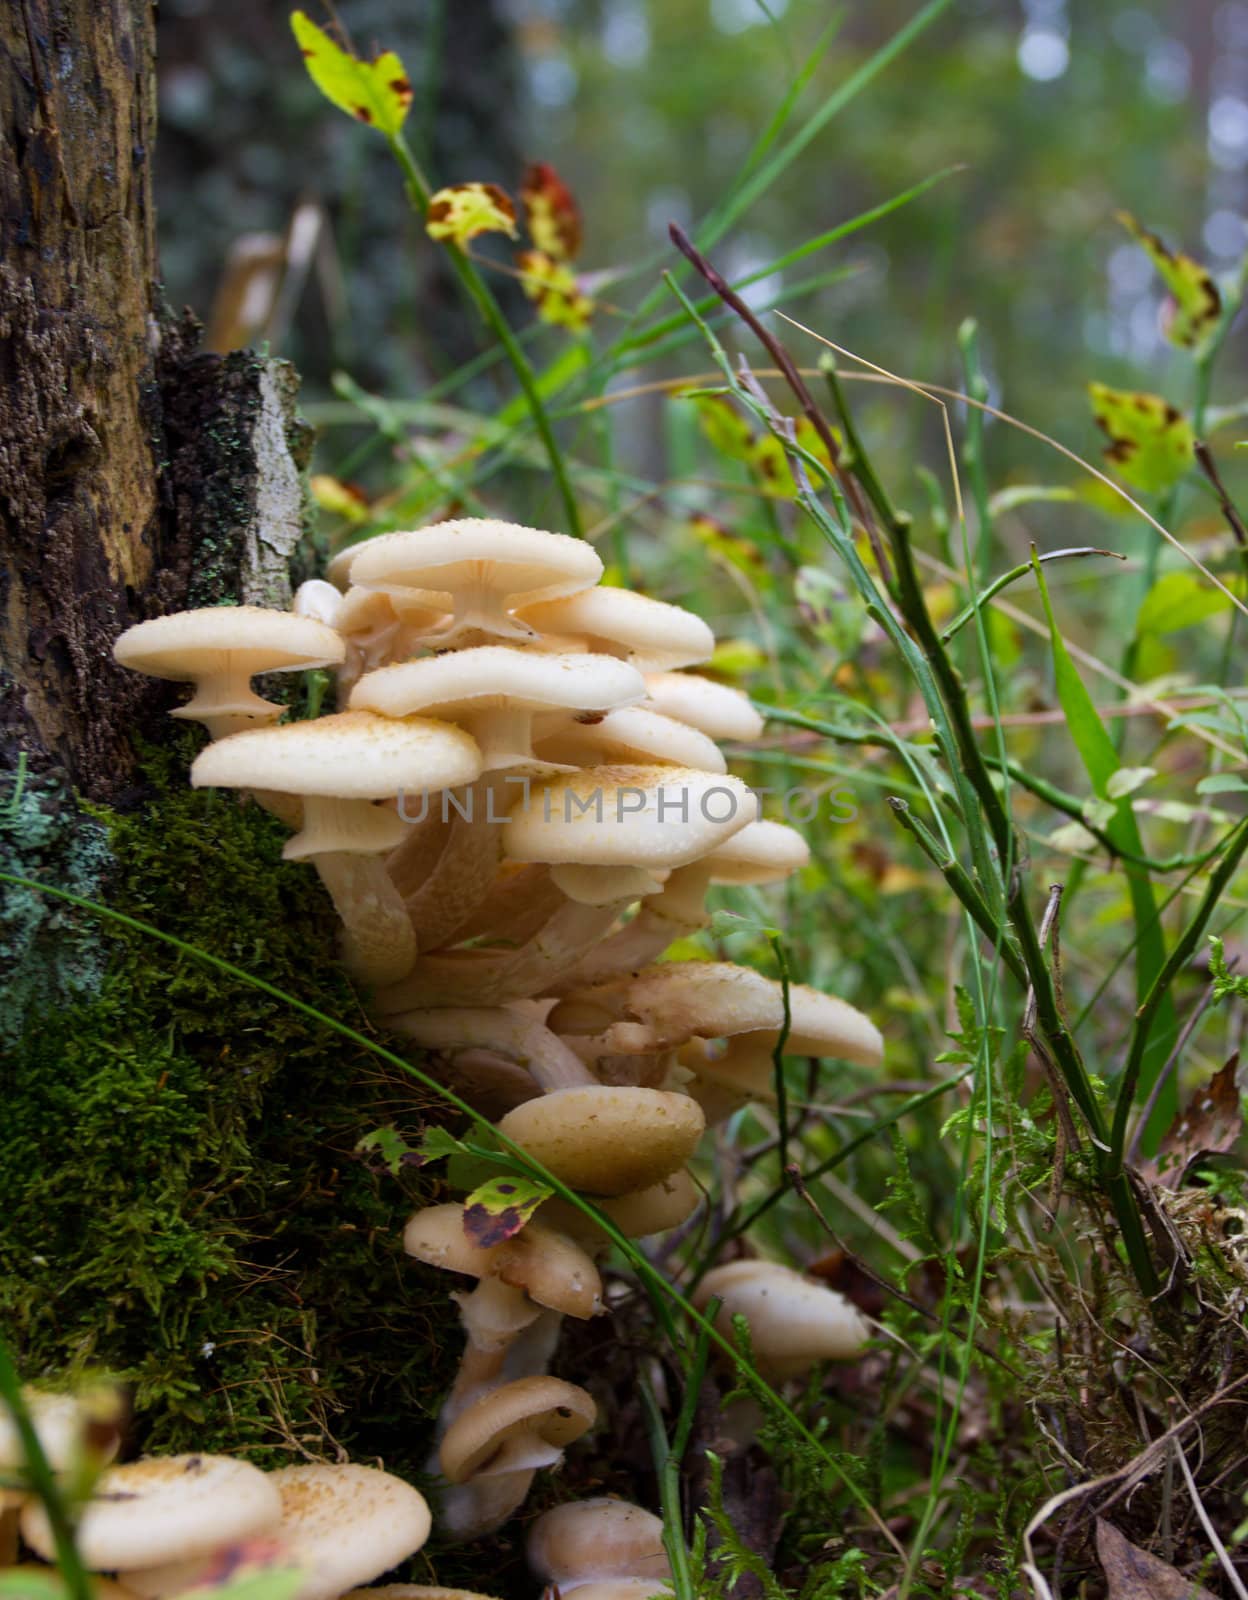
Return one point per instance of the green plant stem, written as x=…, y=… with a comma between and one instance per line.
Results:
x=963, y=886
x=1004, y=580
x=976, y=386
x=478, y=291
x=669, y=1457
x=43, y=1481
x=1182, y=952
x=949, y=702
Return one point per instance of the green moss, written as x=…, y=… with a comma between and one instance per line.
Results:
x=181, y=1202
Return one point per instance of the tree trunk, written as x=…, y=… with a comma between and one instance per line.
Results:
x=136, y=475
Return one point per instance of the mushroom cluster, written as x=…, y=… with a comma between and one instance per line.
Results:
x=517, y=807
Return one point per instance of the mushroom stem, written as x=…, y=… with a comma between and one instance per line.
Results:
x=674, y=913
x=378, y=942
x=504, y=734
x=10, y=1511
x=471, y=1509
x=226, y=703
x=517, y=1038
x=467, y=867
x=486, y=977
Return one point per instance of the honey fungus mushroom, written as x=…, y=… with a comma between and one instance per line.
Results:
x=650, y=633
x=480, y=571
x=607, y=1140
x=574, y=1544
x=341, y=767
x=793, y=1321
x=712, y=708
x=220, y=649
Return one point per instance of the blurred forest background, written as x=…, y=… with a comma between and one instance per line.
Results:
x=1061, y=113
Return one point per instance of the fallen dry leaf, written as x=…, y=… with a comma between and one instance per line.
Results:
x=1211, y=1123
x=1133, y=1574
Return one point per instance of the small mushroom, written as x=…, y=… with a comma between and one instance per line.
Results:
x=607, y=1140
x=480, y=571
x=572, y=1544
x=819, y=1025
x=655, y=1209
x=793, y=1322
x=220, y=649
x=503, y=1030
x=494, y=693
x=536, y=1268
x=163, y=1508
x=650, y=633
x=712, y=708
x=341, y=766
x=318, y=600
x=520, y=1427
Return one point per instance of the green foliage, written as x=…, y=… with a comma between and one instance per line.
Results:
x=377, y=93
x=181, y=1199
x=1225, y=982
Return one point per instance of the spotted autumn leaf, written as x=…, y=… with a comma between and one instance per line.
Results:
x=465, y=210
x=1195, y=301
x=378, y=93
x=498, y=1209
x=555, y=291
x=724, y=427
x=1151, y=444
x=550, y=212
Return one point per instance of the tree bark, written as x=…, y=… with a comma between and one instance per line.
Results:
x=137, y=475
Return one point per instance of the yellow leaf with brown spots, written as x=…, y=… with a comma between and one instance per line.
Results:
x=466, y=210
x=1151, y=444
x=1195, y=305
x=378, y=93
x=550, y=212
x=555, y=291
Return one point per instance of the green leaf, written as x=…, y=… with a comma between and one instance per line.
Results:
x=1025, y=494
x=378, y=93
x=1196, y=302
x=1225, y=982
x=1100, y=761
x=1151, y=444
x=1178, y=600
x=1222, y=783
x=437, y=1144
x=390, y=1146
x=501, y=1207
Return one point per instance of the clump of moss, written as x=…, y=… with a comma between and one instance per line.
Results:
x=181, y=1199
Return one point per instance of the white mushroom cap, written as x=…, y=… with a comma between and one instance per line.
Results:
x=650, y=633
x=793, y=1322
x=606, y=1139
x=164, y=1508
x=515, y=1428
x=598, y=1538
x=220, y=649
x=663, y=1006
x=354, y=755
x=762, y=852
x=479, y=569
x=628, y=735
x=819, y=1025
x=652, y=817
x=712, y=708
x=58, y=1420
x=495, y=693
x=338, y=567
x=318, y=600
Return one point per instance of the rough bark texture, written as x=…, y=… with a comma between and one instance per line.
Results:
x=136, y=475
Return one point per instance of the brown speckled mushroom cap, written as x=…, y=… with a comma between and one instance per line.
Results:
x=650, y=633
x=352, y=756
x=607, y=1139
x=521, y=1425
x=712, y=708
x=344, y=1524
x=164, y=1508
